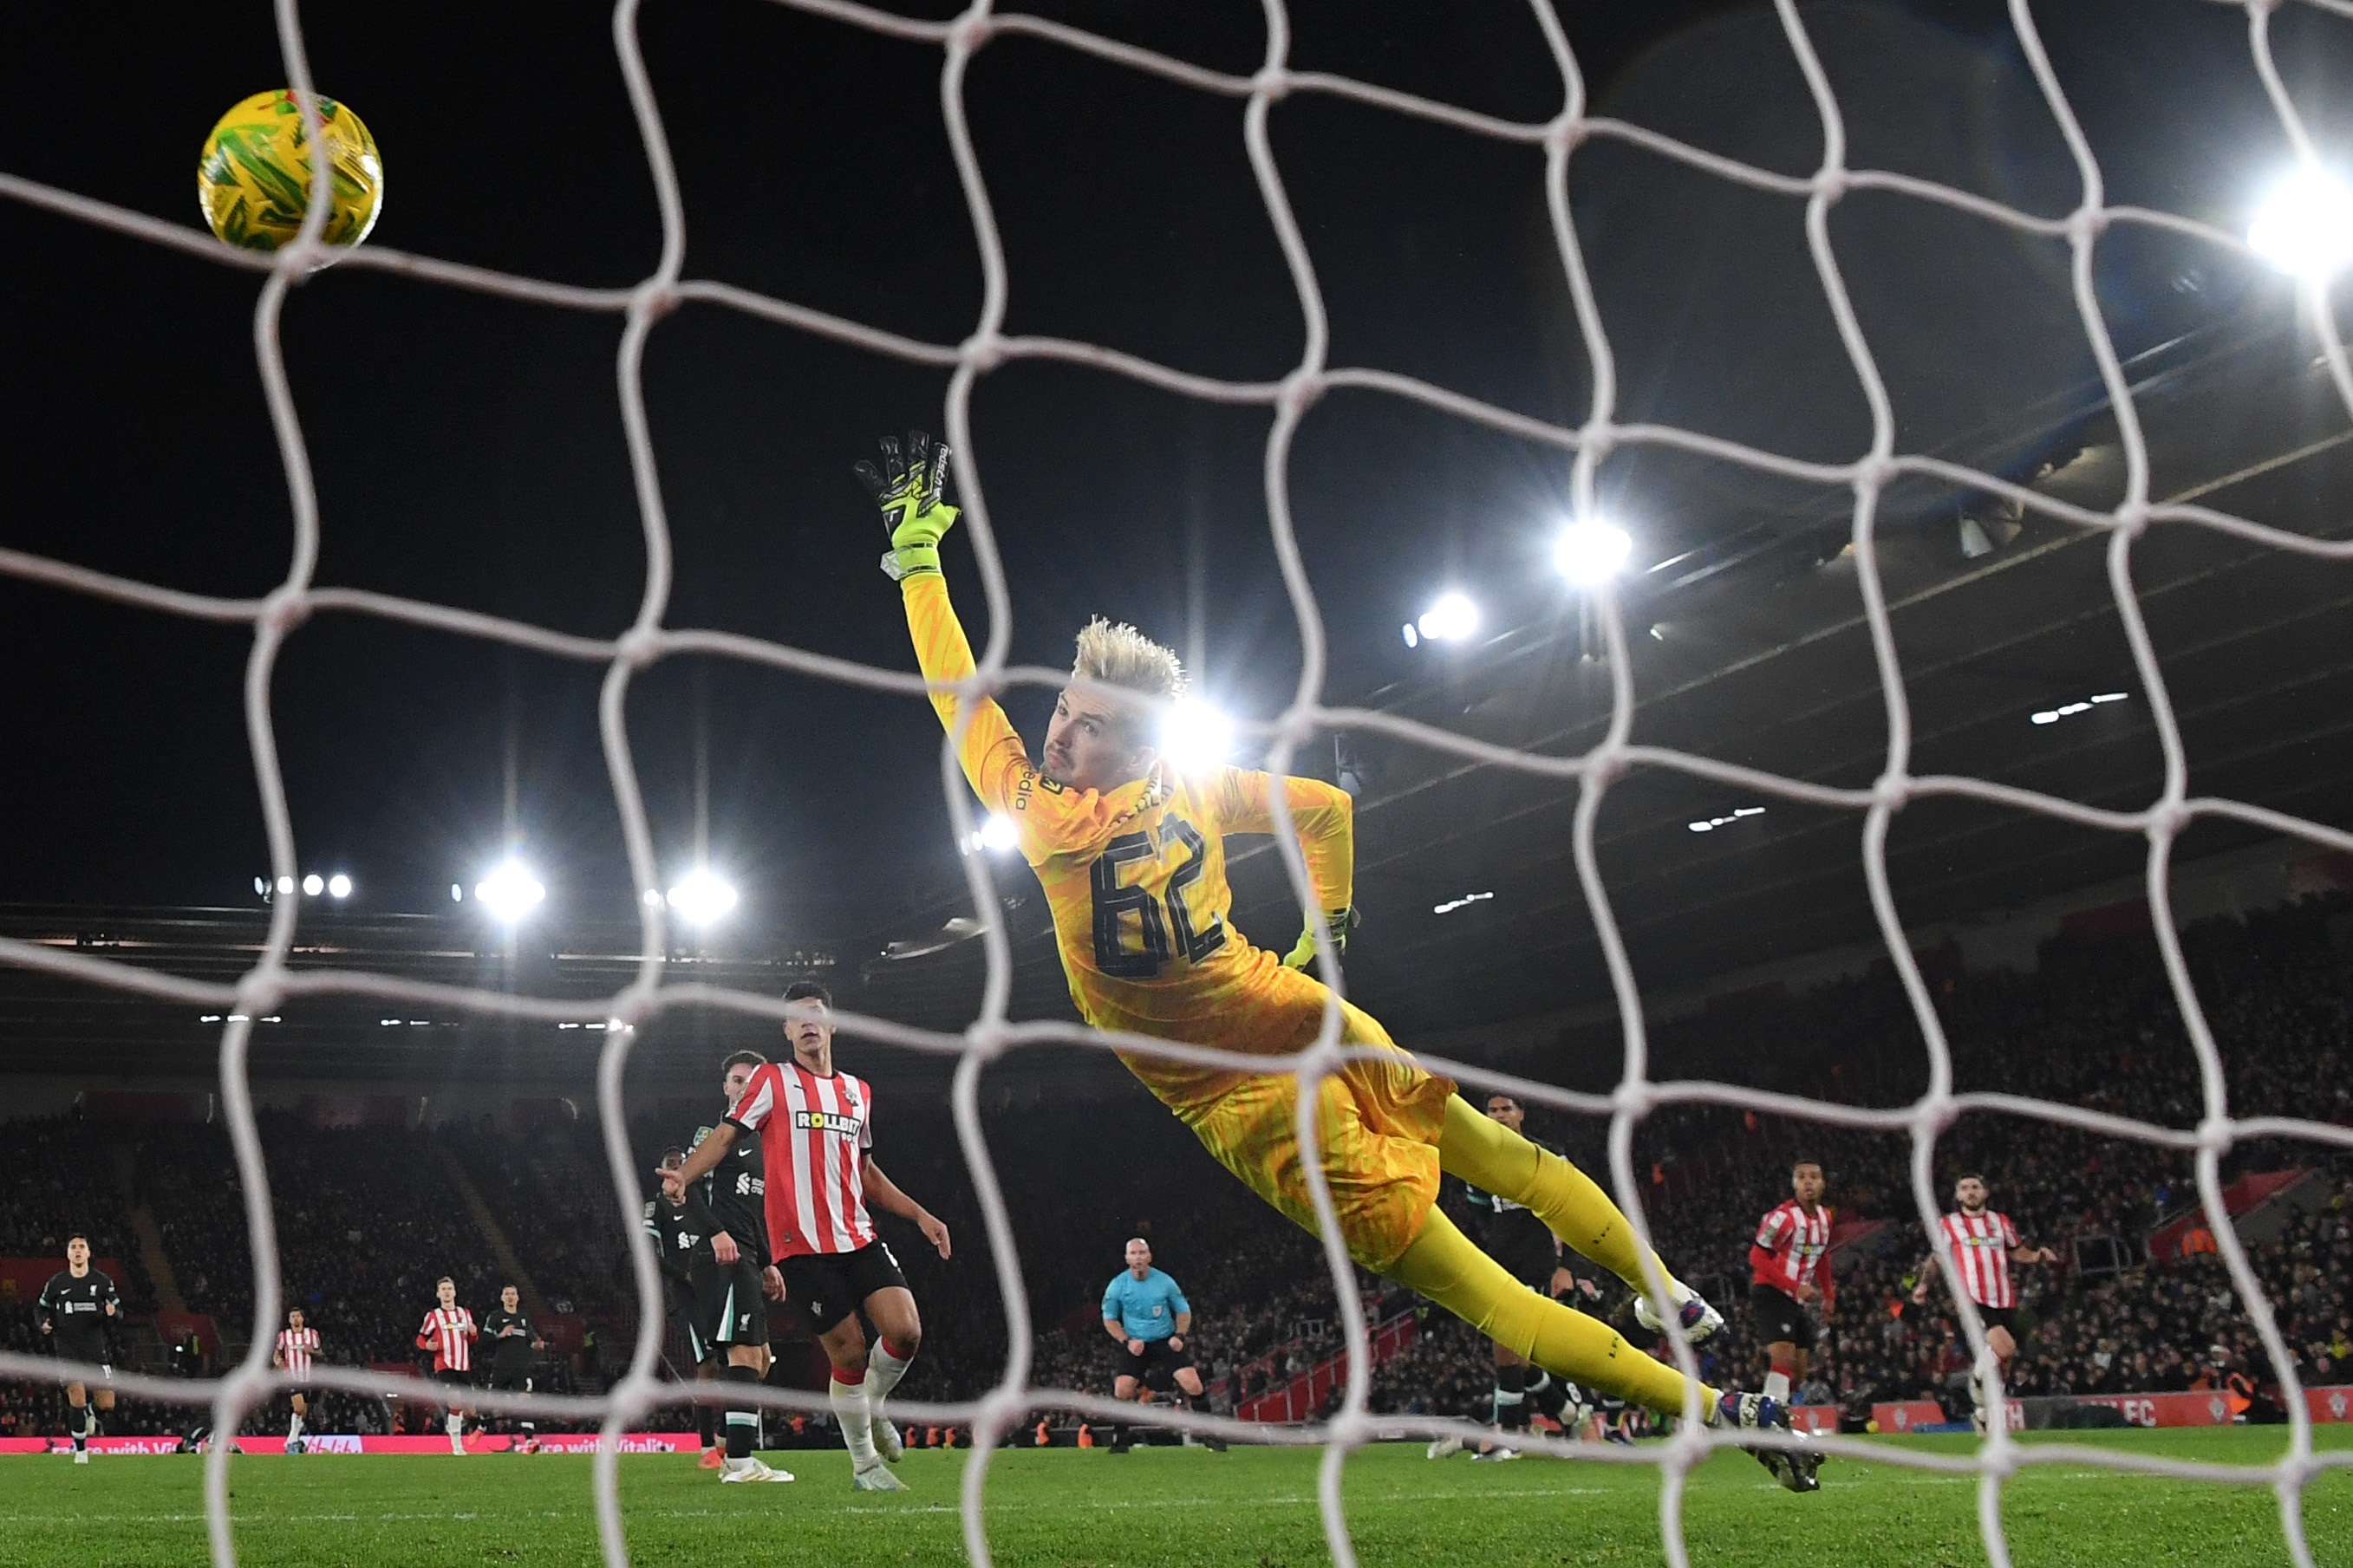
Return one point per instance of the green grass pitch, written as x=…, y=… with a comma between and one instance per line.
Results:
x=1250, y=1508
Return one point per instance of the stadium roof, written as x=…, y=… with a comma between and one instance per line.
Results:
x=468, y=453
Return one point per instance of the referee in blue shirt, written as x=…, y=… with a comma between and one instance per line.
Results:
x=1148, y=1315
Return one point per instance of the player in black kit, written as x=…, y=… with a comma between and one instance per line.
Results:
x=1514, y=1236
x=680, y=1229
x=514, y=1347
x=74, y=1307
x=734, y=1281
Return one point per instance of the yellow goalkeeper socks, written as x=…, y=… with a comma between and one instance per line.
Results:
x=1486, y=1154
x=1443, y=1264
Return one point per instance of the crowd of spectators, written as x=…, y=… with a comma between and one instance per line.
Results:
x=369, y=1218
x=57, y=1181
x=2094, y=1027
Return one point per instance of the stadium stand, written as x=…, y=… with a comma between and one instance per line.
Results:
x=370, y=1216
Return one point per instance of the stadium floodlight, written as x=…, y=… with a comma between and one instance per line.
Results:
x=2304, y=226
x=285, y=884
x=1450, y=619
x=701, y=899
x=995, y=832
x=509, y=891
x=261, y=886
x=2069, y=710
x=315, y=884
x=1195, y=736
x=1590, y=551
x=339, y=886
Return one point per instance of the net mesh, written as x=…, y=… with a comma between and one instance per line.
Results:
x=269, y=982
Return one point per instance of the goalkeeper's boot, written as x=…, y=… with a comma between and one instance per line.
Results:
x=1443, y=1447
x=1760, y=1413
x=751, y=1469
x=876, y=1478
x=887, y=1441
x=1699, y=1320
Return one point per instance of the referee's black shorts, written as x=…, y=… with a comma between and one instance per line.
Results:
x=832, y=1286
x=1155, y=1358
x=728, y=1308
x=1779, y=1318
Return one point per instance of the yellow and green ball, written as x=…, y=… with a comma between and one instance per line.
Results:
x=254, y=178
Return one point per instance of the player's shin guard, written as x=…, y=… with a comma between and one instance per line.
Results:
x=854, y=1414
x=1510, y=1398
x=1488, y=1154
x=1442, y=1265
x=884, y=1367
x=743, y=1420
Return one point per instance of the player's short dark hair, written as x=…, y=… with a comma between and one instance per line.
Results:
x=1804, y=1160
x=673, y=1153
x=1971, y=1176
x=78, y=1236
x=809, y=991
x=742, y=1059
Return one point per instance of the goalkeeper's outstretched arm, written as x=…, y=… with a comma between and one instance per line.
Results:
x=910, y=489
x=1049, y=816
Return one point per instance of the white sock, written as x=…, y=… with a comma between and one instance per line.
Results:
x=855, y=1416
x=1777, y=1386
x=884, y=1372
x=294, y=1427
x=453, y=1424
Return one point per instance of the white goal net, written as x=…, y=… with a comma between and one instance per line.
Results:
x=1867, y=475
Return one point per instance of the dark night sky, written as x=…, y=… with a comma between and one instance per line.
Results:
x=469, y=450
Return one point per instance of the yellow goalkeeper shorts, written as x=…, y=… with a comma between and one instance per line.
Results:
x=1378, y=1120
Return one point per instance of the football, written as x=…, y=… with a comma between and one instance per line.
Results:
x=253, y=179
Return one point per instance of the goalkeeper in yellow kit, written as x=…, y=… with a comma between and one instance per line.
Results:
x=1131, y=853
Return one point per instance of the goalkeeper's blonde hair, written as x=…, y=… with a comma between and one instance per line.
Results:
x=1118, y=655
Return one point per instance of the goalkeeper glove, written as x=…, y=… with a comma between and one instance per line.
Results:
x=1303, y=955
x=907, y=487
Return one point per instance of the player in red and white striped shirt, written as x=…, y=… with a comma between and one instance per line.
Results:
x=449, y=1333
x=1789, y=1270
x=816, y=1136
x=1984, y=1245
x=296, y=1346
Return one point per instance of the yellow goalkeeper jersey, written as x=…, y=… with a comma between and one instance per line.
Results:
x=1137, y=877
